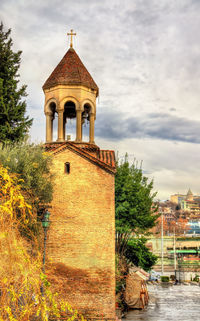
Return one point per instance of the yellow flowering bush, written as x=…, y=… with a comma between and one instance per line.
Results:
x=21, y=263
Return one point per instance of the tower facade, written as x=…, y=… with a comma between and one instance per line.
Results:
x=189, y=196
x=81, y=238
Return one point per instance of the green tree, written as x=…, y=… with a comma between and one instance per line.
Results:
x=137, y=253
x=135, y=212
x=14, y=123
x=32, y=165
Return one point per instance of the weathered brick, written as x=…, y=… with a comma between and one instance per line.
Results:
x=81, y=238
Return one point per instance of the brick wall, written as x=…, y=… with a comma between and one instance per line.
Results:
x=81, y=236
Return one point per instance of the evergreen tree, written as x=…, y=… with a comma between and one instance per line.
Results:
x=14, y=125
x=135, y=212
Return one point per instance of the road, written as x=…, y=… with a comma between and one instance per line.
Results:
x=170, y=303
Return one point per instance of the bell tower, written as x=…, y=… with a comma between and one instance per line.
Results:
x=70, y=93
x=81, y=237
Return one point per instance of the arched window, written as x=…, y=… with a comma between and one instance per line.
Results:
x=50, y=123
x=67, y=168
x=52, y=109
x=86, y=122
x=70, y=120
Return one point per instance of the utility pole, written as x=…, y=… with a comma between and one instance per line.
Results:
x=175, y=251
x=162, y=264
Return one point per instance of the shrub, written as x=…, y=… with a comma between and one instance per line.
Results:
x=196, y=278
x=137, y=253
x=164, y=278
x=32, y=165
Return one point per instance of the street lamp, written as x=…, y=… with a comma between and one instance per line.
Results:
x=44, y=214
x=45, y=225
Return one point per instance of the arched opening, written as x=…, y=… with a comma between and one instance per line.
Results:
x=69, y=121
x=86, y=122
x=54, y=125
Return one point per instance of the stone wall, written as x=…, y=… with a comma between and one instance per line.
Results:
x=81, y=238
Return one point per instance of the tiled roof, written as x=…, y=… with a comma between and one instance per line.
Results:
x=108, y=157
x=70, y=71
x=102, y=158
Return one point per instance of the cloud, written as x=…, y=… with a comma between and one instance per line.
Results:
x=153, y=125
x=144, y=56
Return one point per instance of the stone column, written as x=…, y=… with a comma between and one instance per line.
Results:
x=49, y=127
x=64, y=132
x=60, y=126
x=92, y=128
x=78, y=125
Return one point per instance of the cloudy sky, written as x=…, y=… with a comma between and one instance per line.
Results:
x=145, y=57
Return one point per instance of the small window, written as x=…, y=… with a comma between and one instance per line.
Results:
x=67, y=168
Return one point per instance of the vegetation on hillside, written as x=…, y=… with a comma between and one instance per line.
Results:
x=21, y=274
x=32, y=165
x=177, y=226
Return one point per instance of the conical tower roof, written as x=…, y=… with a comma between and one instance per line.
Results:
x=70, y=71
x=189, y=192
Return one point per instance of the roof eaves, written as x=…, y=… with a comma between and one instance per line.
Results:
x=83, y=153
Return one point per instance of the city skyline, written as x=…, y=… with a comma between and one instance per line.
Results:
x=144, y=57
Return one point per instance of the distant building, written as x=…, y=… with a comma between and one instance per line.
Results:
x=190, y=206
x=178, y=198
x=168, y=213
x=194, y=227
x=189, y=196
x=188, y=203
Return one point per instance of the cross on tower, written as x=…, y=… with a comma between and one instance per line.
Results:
x=71, y=34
